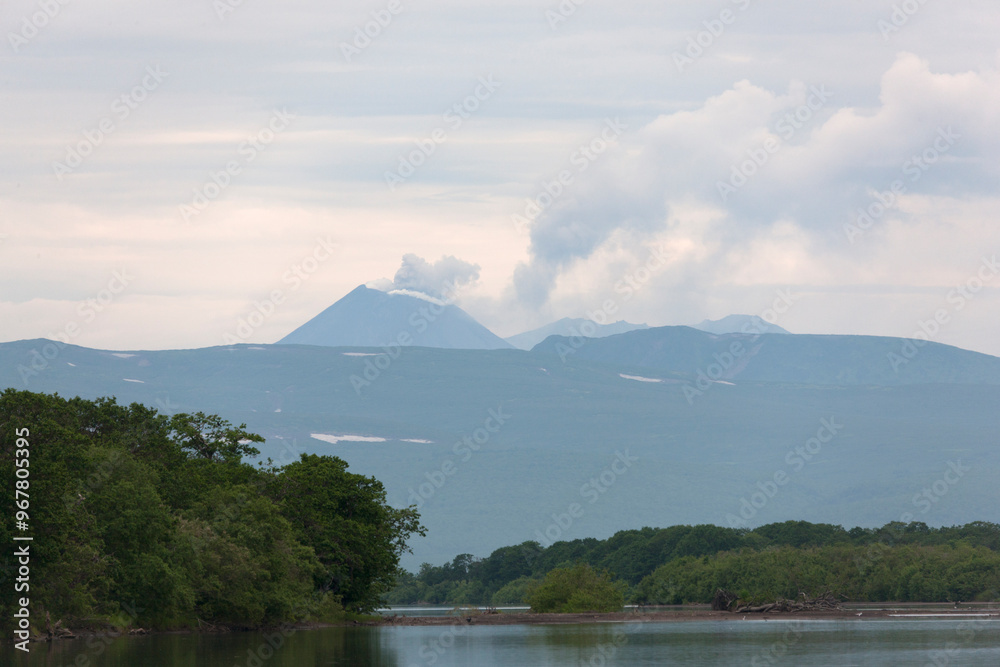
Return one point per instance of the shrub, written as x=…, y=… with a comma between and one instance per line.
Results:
x=576, y=589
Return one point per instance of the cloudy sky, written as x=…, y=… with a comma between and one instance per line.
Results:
x=170, y=168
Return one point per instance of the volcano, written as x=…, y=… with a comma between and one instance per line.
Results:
x=373, y=318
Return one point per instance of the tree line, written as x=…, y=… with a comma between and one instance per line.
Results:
x=683, y=564
x=155, y=521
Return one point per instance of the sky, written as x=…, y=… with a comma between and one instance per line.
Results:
x=173, y=174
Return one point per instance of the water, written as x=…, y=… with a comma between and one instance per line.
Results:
x=916, y=642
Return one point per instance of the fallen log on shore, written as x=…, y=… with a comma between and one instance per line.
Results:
x=826, y=602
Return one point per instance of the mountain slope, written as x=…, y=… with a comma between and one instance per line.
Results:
x=492, y=445
x=751, y=324
x=785, y=358
x=571, y=327
x=372, y=318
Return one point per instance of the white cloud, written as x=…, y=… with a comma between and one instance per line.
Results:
x=325, y=174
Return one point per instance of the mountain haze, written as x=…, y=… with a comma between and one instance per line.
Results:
x=785, y=358
x=571, y=327
x=373, y=318
x=546, y=427
x=752, y=324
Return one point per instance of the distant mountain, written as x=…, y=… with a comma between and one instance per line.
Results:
x=372, y=318
x=751, y=324
x=684, y=352
x=495, y=445
x=568, y=326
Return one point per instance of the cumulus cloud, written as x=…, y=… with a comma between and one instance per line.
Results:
x=437, y=280
x=754, y=159
x=656, y=185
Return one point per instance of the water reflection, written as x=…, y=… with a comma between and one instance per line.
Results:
x=681, y=643
x=329, y=646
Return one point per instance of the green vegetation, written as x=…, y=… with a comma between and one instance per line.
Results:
x=140, y=519
x=903, y=573
x=684, y=564
x=576, y=589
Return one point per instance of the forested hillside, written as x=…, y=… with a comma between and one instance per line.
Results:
x=138, y=519
x=684, y=564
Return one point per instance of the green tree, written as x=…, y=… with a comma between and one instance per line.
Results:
x=344, y=517
x=514, y=592
x=140, y=519
x=576, y=589
x=213, y=438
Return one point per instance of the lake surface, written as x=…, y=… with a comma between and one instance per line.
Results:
x=917, y=642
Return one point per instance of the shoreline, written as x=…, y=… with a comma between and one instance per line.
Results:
x=858, y=613
x=984, y=611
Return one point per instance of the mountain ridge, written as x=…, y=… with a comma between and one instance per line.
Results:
x=567, y=326
x=751, y=324
x=563, y=423
x=833, y=359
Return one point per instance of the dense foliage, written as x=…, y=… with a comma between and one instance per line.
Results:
x=576, y=589
x=904, y=573
x=687, y=563
x=156, y=521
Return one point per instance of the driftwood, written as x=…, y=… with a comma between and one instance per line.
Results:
x=211, y=627
x=56, y=631
x=723, y=600
x=826, y=602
